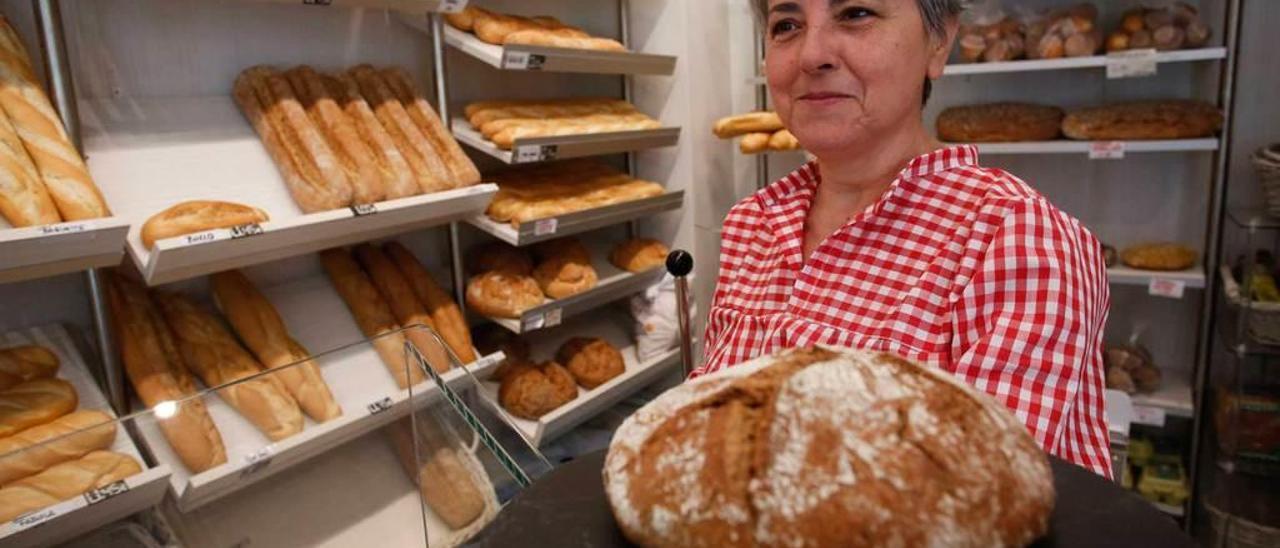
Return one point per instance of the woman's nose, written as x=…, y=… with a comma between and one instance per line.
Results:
x=816, y=53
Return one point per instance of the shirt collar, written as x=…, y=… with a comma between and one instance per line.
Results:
x=803, y=181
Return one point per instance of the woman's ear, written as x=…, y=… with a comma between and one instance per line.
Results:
x=940, y=47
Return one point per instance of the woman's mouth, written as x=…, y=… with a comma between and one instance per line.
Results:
x=824, y=97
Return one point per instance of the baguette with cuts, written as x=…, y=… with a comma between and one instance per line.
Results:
x=64, y=481
x=215, y=355
x=751, y=122
x=1160, y=119
x=68, y=437
x=404, y=303
x=431, y=173
x=38, y=125
x=352, y=153
x=19, y=364
x=24, y=200
x=196, y=216
x=464, y=172
x=33, y=403
x=445, y=312
x=258, y=324
x=397, y=177
x=156, y=370
x=372, y=314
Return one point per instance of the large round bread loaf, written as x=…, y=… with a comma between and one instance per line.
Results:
x=825, y=447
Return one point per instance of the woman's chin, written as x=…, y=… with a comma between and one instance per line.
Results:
x=829, y=142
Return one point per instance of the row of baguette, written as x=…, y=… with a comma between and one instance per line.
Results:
x=542, y=30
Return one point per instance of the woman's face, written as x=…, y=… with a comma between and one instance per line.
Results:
x=845, y=72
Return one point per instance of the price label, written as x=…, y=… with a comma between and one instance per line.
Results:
x=201, y=238
x=1106, y=150
x=552, y=317
x=1134, y=63
x=452, y=6
x=33, y=519
x=522, y=60
x=360, y=210
x=535, y=153
x=257, y=461
x=65, y=228
x=1172, y=289
x=379, y=406
x=487, y=361
x=530, y=323
x=1150, y=416
x=105, y=492
x=545, y=227
x=244, y=231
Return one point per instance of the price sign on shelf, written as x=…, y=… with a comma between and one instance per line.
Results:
x=553, y=317
x=1172, y=289
x=1135, y=63
x=534, y=153
x=545, y=227
x=64, y=228
x=257, y=461
x=244, y=231
x=360, y=210
x=1106, y=150
x=1148, y=415
x=379, y=406
x=105, y=492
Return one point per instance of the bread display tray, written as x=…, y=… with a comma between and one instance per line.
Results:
x=542, y=149
x=549, y=59
x=1193, y=277
x=39, y=251
x=577, y=222
x=1086, y=147
x=1095, y=61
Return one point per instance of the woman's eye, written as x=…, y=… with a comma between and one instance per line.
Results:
x=853, y=14
x=782, y=27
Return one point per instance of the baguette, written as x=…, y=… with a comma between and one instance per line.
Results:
x=397, y=177
x=158, y=375
x=445, y=482
x=751, y=122
x=353, y=155
x=464, y=20
x=197, y=216
x=64, y=481
x=493, y=28
x=33, y=403
x=258, y=324
x=24, y=199
x=372, y=314
x=753, y=143
x=20, y=364
x=481, y=113
x=544, y=37
x=307, y=164
x=463, y=170
x=783, y=140
x=550, y=128
x=431, y=173
x=447, y=315
x=39, y=127
x=219, y=360
x=68, y=437
x=405, y=306
x=13, y=51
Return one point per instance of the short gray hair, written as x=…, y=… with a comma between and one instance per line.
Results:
x=934, y=12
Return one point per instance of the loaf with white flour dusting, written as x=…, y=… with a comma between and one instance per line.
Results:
x=827, y=447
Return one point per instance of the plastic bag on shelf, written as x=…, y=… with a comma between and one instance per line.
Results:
x=656, y=325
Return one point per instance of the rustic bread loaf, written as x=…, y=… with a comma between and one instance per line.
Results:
x=824, y=447
x=1160, y=119
x=999, y=122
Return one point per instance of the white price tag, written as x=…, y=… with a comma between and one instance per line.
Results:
x=1150, y=416
x=379, y=406
x=452, y=6
x=545, y=227
x=360, y=210
x=258, y=460
x=33, y=519
x=105, y=492
x=553, y=317
x=1135, y=63
x=63, y=228
x=517, y=60
x=1106, y=150
x=535, y=153
x=244, y=231
x=531, y=323
x=1172, y=289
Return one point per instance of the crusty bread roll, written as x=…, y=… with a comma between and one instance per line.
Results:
x=158, y=374
x=754, y=143
x=352, y=153
x=815, y=447
x=262, y=330
x=463, y=20
x=502, y=294
x=24, y=199
x=33, y=403
x=68, y=437
x=428, y=167
x=408, y=310
x=445, y=313
x=1164, y=256
x=372, y=314
x=19, y=364
x=751, y=122
x=1157, y=119
x=564, y=276
x=639, y=254
x=398, y=179
x=591, y=360
x=196, y=216
x=999, y=122
x=218, y=359
x=64, y=481
x=462, y=169
x=450, y=487
x=530, y=391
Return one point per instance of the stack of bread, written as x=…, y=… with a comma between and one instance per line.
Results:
x=1071, y=32
x=543, y=30
x=504, y=122
x=760, y=131
x=1167, y=28
x=450, y=479
x=530, y=389
x=43, y=179
x=558, y=188
x=49, y=451
x=1152, y=119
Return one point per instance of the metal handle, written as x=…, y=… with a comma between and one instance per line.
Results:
x=680, y=264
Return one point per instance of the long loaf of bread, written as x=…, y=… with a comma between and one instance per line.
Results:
x=353, y=155
x=13, y=51
x=430, y=171
x=751, y=122
x=461, y=167
x=19, y=364
x=445, y=313
x=38, y=125
x=68, y=437
x=447, y=485
x=372, y=314
x=33, y=403
x=215, y=355
x=63, y=481
x=405, y=306
x=550, y=38
x=24, y=200
x=158, y=374
x=397, y=177
x=258, y=324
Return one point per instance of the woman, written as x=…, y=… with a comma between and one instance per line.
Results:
x=890, y=241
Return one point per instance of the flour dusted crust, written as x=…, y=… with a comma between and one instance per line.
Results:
x=819, y=447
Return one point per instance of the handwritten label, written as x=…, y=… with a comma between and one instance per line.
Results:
x=545, y=227
x=452, y=6
x=244, y=231
x=1150, y=416
x=31, y=520
x=360, y=210
x=1134, y=63
x=535, y=153
x=68, y=228
x=1172, y=289
x=201, y=238
x=1106, y=150
x=379, y=406
x=257, y=461
x=106, y=491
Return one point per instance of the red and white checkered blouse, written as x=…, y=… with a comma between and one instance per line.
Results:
x=958, y=266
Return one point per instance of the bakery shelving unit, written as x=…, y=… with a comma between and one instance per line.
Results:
x=1095, y=61
x=42, y=251
x=1193, y=278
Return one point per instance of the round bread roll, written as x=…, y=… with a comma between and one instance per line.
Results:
x=562, y=276
x=502, y=294
x=1159, y=256
x=999, y=122
x=592, y=361
x=530, y=391
x=827, y=447
x=498, y=256
x=639, y=254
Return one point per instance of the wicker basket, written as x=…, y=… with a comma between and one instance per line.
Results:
x=1233, y=532
x=1266, y=161
x=1264, y=318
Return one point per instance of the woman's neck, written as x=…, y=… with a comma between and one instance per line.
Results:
x=854, y=180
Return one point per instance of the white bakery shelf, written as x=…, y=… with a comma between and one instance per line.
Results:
x=39, y=251
x=361, y=384
x=73, y=517
x=1084, y=147
x=1096, y=61
x=1172, y=398
x=1192, y=278
x=406, y=6
x=542, y=149
x=150, y=154
x=549, y=59
x=577, y=222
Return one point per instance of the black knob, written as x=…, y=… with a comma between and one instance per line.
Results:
x=679, y=263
